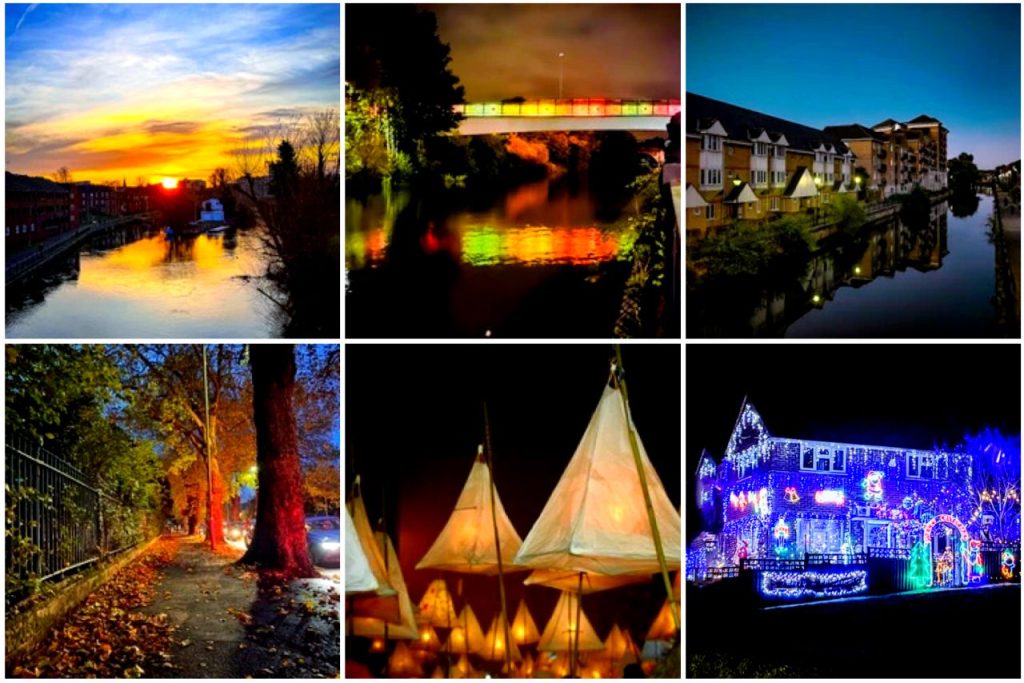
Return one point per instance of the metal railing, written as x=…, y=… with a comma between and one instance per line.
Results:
x=819, y=559
x=20, y=264
x=58, y=519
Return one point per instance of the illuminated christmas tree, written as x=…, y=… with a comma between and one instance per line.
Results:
x=920, y=566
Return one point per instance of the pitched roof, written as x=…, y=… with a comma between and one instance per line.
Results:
x=739, y=122
x=888, y=123
x=853, y=131
x=924, y=118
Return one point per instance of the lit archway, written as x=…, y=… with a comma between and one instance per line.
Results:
x=961, y=558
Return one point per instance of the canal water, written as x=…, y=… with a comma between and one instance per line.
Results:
x=938, y=281
x=139, y=283
x=545, y=259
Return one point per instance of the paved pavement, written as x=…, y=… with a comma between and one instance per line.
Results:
x=232, y=623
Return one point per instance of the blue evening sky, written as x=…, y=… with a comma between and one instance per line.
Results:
x=835, y=64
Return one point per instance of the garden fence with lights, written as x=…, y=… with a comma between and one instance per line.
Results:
x=814, y=519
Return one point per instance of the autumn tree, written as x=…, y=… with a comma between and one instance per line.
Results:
x=170, y=404
x=279, y=540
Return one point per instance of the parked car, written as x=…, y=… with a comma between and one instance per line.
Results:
x=238, y=531
x=323, y=534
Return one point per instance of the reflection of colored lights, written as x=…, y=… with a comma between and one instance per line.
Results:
x=484, y=246
x=376, y=243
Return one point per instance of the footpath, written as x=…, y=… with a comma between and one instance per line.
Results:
x=183, y=611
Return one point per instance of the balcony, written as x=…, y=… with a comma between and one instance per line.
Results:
x=881, y=155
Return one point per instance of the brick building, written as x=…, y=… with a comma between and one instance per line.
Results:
x=35, y=209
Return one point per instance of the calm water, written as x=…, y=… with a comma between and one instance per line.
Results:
x=893, y=282
x=142, y=284
x=542, y=260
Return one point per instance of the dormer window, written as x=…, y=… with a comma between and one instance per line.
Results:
x=711, y=143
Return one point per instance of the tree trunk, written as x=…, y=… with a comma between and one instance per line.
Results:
x=279, y=541
x=216, y=512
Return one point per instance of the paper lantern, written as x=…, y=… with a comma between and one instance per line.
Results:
x=466, y=636
x=436, y=606
x=401, y=663
x=560, y=633
x=524, y=628
x=495, y=644
x=595, y=520
x=427, y=639
x=466, y=543
x=383, y=602
x=359, y=577
x=403, y=628
x=663, y=627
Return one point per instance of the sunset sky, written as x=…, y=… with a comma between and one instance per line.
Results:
x=155, y=91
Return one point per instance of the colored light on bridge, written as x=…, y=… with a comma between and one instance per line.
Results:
x=594, y=106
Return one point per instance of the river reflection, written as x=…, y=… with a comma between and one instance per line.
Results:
x=133, y=284
x=937, y=281
x=418, y=266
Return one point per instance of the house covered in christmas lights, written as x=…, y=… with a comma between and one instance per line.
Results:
x=790, y=507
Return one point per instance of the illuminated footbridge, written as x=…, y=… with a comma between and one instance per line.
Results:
x=534, y=116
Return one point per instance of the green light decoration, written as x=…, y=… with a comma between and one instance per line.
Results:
x=920, y=566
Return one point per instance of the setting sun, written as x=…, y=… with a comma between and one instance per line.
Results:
x=170, y=183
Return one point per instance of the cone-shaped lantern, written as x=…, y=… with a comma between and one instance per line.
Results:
x=427, y=640
x=401, y=663
x=436, y=606
x=382, y=603
x=663, y=627
x=403, y=628
x=463, y=669
x=524, y=628
x=617, y=648
x=466, y=636
x=595, y=520
x=438, y=672
x=495, y=645
x=359, y=577
x=560, y=633
x=467, y=544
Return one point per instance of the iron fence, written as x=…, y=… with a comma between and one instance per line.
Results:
x=58, y=519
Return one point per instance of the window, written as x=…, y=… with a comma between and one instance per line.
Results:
x=821, y=459
x=839, y=461
x=709, y=212
x=775, y=203
x=826, y=198
x=780, y=151
x=711, y=143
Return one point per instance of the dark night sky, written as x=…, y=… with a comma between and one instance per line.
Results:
x=909, y=395
x=414, y=418
x=502, y=51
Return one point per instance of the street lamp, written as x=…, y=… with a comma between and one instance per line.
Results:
x=561, y=72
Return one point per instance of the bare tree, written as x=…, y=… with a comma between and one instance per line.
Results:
x=220, y=177
x=321, y=142
x=62, y=175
